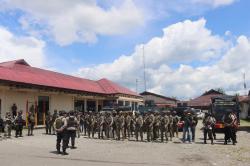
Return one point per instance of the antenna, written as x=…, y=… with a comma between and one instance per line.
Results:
x=144, y=69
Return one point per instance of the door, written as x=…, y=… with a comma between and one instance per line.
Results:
x=42, y=109
x=79, y=105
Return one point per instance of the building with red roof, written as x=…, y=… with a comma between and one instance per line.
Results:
x=244, y=106
x=45, y=90
x=203, y=102
x=160, y=101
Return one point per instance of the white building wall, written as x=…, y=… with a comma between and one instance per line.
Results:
x=61, y=102
x=20, y=98
x=244, y=110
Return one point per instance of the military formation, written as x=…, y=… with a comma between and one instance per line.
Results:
x=126, y=125
x=118, y=125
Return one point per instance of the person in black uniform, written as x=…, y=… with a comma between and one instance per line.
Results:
x=229, y=120
x=19, y=121
x=72, y=124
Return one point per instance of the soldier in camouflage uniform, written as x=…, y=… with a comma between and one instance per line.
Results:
x=48, y=120
x=93, y=124
x=89, y=122
x=109, y=127
x=102, y=125
x=128, y=120
x=164, y=126
x=149, y=122
x=170, y=125
x=176, y=120
x=138, y=126
x=8, y=125
x=114, y=124
x=85, y=122
x=54, y=116
x=31, y=123
x=132, y=125
x=120, y=126
x=61, y=132
x=156, y=126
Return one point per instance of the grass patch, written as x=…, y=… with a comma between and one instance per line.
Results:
x=245, y=122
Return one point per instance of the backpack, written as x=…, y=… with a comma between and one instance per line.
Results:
x=58, y=123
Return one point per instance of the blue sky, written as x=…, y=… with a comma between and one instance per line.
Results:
x=90, y=37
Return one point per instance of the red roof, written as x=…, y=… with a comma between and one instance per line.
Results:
x=20, y=71
x=204, y=100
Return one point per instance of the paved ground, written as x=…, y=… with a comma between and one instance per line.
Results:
x=39, y=151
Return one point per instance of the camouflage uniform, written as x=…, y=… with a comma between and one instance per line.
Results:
x=8, y=125
x=156, y=126
x=102, y=126
x=120, y=126
x=54, y=116
x=60, y=132
x=175, y=125
x=31, y=123
x=164, y=127
x=109, y=127
x=93, y=125
x=114, y=125
x=128, y=120
x=149, y=122
x=139, y=127
x=170, y=126
x=48, y=120
x=89, y=122
x=85, y=122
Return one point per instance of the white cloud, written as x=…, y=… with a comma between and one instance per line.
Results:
x=182, y=43
x=76, y=20
x=69, y=21
x=14, y=47
x=214, y=3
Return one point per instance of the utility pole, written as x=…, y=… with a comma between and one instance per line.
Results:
x=245, y=85
x=136, y=85
x=144, y=69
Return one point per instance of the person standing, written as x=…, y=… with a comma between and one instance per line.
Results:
x=170, y=125
x=229, y=122
x=149, y=121
x=187, y=127
x=176, y=120
x=193, y=126
x=156, y=126
x=60, y=126
x=14, y=111
x=48, y=121
x=81, y=122
x=127, y=126
x=164, y=126
x=208, y=123
x=109, y=121
x=53, y=118
x=19, y=122
x=8, y=125
x=72, y=124
x=31, y=123
x=138, y=126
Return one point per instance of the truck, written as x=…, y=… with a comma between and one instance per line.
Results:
x=221, y=105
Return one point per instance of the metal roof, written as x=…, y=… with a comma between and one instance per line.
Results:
x=19, y=71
